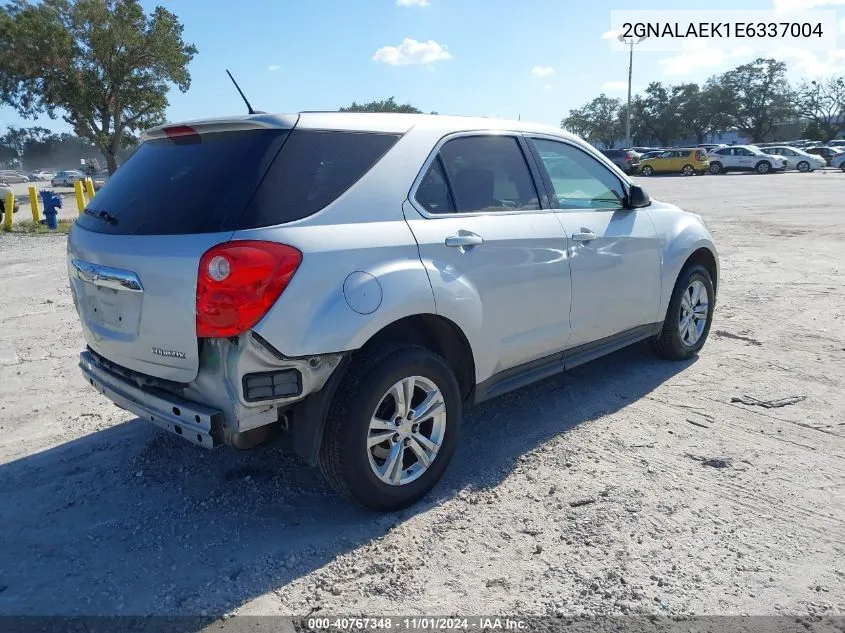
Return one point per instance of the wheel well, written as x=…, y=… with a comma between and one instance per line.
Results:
x=704, y=257
x=438, y=334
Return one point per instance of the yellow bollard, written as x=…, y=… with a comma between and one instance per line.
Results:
x=89, y=188
x=80, y=196
x=9, y=211
x=33, y=203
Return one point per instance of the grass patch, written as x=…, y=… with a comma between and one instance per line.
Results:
x=29, y=227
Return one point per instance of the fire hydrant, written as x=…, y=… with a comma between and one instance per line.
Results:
x=52, y=203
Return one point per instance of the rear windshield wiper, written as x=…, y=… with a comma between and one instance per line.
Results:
x=105, y=216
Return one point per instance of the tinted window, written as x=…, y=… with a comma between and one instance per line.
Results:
x=579, y=180
x=313, y=169
x=488, y=173
x=612, y=153
x=721, y=152
x=231, y=180
x=183, y=185
x=433, y=192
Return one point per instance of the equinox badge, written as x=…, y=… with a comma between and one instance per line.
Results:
x=170, y=353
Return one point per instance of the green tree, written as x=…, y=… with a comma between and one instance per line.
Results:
x=597, y=121
x=700, y=109
x=822, y=103
x=104, y=65
x=659, y=113
x=385, y=105
x=758, y=97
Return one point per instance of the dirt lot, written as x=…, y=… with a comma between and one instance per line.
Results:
x=629, y=485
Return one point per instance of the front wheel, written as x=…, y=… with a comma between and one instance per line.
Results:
x=392, y=427
x=763, y=167
x=688, y=316
x=803, y=166
x=648, y=170
x=715, y=168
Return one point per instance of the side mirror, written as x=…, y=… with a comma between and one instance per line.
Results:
x=637, y=197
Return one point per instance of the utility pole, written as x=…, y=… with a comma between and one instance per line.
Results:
x=630, y=42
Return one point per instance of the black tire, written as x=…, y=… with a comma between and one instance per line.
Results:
x=763, y=167
x=688, y=170
x=716, y=168
x=648, y=170
x=803, y=166
x=669, y=343
x=344, y=458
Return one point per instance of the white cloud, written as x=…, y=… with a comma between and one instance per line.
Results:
x=410, y=51
x=810, y=64
x=614, y=86
x=411, y=3
x=610, y=35
x=542, y=71
x=548, y=87
x=701, y=57
x=273, y=68
x=842, y=26
x=793, y=6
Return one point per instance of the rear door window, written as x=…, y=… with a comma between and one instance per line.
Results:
x=488, y=173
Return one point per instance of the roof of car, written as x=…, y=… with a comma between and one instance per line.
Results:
x=386, y=122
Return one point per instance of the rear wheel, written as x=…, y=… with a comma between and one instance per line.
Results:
x=715, y=168
x=647, y=170
x=688, y=316
x=803, y=166
x=392, y=427
x=763, y=167
x=688, y=170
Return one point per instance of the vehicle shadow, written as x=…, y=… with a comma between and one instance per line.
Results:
x=132, y=521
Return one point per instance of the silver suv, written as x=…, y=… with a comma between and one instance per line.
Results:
x=358, y=280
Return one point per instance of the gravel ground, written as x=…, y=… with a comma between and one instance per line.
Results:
x=630, y=485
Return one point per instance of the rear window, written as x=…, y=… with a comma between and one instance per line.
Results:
x=183, y=185
x=231, y=180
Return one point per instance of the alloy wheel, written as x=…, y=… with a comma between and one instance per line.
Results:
x=694, y=311
x=406, y=430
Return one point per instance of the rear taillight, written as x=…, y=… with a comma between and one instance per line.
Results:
x=629, y=158
x=238, y=282
x=837, y=155
x=700, y=155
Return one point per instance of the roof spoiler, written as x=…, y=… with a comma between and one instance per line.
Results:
x=226, y=124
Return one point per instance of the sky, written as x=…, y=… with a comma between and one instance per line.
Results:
x=533, y=59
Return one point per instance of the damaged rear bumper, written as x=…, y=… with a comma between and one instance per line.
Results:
x=195, y=422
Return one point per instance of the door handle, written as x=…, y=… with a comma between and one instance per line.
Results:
x=586, y=235
x=463, y=239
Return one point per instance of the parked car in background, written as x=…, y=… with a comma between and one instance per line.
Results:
x=66, y=178
x=227, y=319
x=838, y=161
x=824, y=151
x=686, y=161
x=708, y=147
x=10, y=176
x=4, y=191
x=797, y=158
x=42, y=176
x=744, y=158
x=100, y=178
x=625, y=159
x=837, y=144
